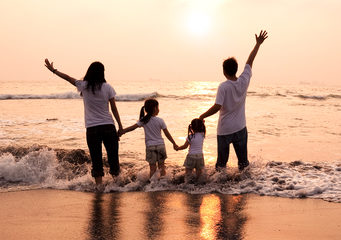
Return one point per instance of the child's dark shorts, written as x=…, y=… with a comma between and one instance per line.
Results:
x=156, y=154
x=194, y=161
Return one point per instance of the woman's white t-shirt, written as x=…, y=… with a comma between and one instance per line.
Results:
x=195, y=143
x=152, y=131
x=96, y=106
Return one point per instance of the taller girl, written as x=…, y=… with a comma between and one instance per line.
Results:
x=155, y=145
x=100, y=128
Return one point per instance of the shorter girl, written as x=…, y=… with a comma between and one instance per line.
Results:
x=155, y=145
x=195, y=141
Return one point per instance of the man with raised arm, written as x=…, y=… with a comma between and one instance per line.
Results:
x=230, y=102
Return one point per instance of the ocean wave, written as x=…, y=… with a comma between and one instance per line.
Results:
x=190, y=97
x=312, y=97
x=143, y=96
x=136, y=97
x=67, y=95
x=317, y=97
x=73, y=95
x=42, y=167
x=120, y=98
x=334, y=96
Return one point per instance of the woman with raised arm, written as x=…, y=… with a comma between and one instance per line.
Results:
x=99, y=123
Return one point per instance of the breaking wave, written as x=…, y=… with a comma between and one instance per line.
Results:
x=143, y=96
x=73, y=95
x=42, y=167
x=317, y=97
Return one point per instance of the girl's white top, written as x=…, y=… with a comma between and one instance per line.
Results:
x=96, y=106
x=152, y=131
x=195, y=143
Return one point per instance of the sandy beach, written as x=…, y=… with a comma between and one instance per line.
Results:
x=59, y=214
x=280, y=86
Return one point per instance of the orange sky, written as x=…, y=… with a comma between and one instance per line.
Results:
x=142, y=39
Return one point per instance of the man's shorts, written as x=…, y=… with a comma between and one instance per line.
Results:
x=156, y=154
x=194, y=161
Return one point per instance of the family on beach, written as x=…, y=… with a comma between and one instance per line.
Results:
x=97, y=95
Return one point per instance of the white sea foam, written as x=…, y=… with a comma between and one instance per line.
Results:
x=33, y=168
x=75, y=95
x=67, y=95
x=143, y=96
x=65, y=169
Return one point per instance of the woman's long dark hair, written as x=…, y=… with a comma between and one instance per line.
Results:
x=95, y=76
x=197, y=125
x=149, y=108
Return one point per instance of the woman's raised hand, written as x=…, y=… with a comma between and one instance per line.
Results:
x=49, y=65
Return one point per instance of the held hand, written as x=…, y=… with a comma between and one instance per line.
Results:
x=120, y=132
x=176, y=147
x=261, y=37
x=49, y=65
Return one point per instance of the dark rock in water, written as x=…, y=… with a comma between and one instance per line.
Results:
x=76, y=156
x=20, y=152
x=51, y=119
x=178, y=179
x=281, y=181
x=273, y=164
x=296, y=163
x=290, y=187
x=72, y=163
x=15, y=151
x=318, y=167
x=275, y=179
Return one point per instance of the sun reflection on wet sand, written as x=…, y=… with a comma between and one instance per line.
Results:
x=221, y=217
x=210, y=216
x=166, y=215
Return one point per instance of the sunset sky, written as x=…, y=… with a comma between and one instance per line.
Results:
x=171, y=39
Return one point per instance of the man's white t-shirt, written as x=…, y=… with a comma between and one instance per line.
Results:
x=195, y=143
x=96, y=106
x=231, y=96
x=152, y=131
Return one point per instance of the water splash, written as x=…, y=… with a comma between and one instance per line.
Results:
x=43, y=167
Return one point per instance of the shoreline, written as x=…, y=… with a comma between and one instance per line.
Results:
x=64, y=214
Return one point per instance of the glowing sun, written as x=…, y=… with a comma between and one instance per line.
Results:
x=198, y=23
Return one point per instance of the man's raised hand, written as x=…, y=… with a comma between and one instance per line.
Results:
x=262, y=36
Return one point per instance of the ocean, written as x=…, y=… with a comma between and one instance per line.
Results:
x=294, y=142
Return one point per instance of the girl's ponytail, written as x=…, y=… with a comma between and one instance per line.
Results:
x=190, y=132
x=197, y=125
x=141, y=113
x=149, y=107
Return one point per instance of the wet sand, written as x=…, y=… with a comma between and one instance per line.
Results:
x=57, y=214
